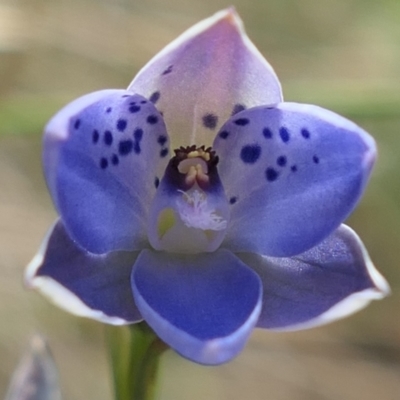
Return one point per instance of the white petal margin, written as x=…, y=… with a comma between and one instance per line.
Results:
x=204, y=305
x=354, y=302
x=216, y=351
x=347, y=307
x=58, y=294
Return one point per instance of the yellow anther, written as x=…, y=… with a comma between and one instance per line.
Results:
x=193, y=154
x=199, y=153
x=185, y=165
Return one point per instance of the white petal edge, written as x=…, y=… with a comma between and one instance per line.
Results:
x=228, y=13
x=58, y=294
x=353, y=303
x=216, y=351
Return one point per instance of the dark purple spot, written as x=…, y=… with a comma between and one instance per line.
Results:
x=143, y=102
x=134, y=108
x=168, y=70
x=305, y=133
x=233, y=200
x=156, y=182
x=132, y=103
x=152, y=119
x=125, y=147
x=284, y=134
x=293, y=168
x=281, y=161
x=241, y=121
x=95, y=136
x=271, y=174
x=114, y=159
x=108, y=110
x=154, y=97
x=162, y=140
x=103, y=163
x=316, y=159
x=237, y=108
x=127, y=95
x=223, y=134
x=136, y=147
x=138, y=134
x=163, y=153
x=108, y=138
x=77, y=124
x=121, y=124
x=210, y=121
x=250, y=153
x=267, y=133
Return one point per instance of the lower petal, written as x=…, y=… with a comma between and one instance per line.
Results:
x=204, y=306
x=82, y=283
x=330, y=281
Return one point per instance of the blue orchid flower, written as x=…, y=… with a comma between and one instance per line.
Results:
x=239, y=227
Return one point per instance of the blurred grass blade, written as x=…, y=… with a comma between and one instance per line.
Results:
x=35, y=378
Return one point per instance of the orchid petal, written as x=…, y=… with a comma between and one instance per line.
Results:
x=328, y=282
x=103, y=154
x=84, y=284
x=208, y=73
x=292, y=173
x=204, y=306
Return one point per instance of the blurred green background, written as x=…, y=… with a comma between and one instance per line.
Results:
x=340, y=54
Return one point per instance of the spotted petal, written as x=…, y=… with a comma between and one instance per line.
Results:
x=102, y=154
x=204, y=76
x=292, y=173
x=330, y=281
x=85, y=284
x=204, y=306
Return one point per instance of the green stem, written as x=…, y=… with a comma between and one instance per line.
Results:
x=135, y=354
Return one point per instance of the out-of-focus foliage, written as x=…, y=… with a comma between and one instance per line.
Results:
x=35, y=377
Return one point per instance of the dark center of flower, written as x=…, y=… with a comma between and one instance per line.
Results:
x=190, y=212
x=195, y=163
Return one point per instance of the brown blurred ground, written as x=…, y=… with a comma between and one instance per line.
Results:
x=344, y=55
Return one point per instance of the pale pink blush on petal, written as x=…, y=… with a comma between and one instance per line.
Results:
x=204, y=76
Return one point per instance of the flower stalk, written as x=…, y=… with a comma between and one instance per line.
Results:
x=135, y=353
